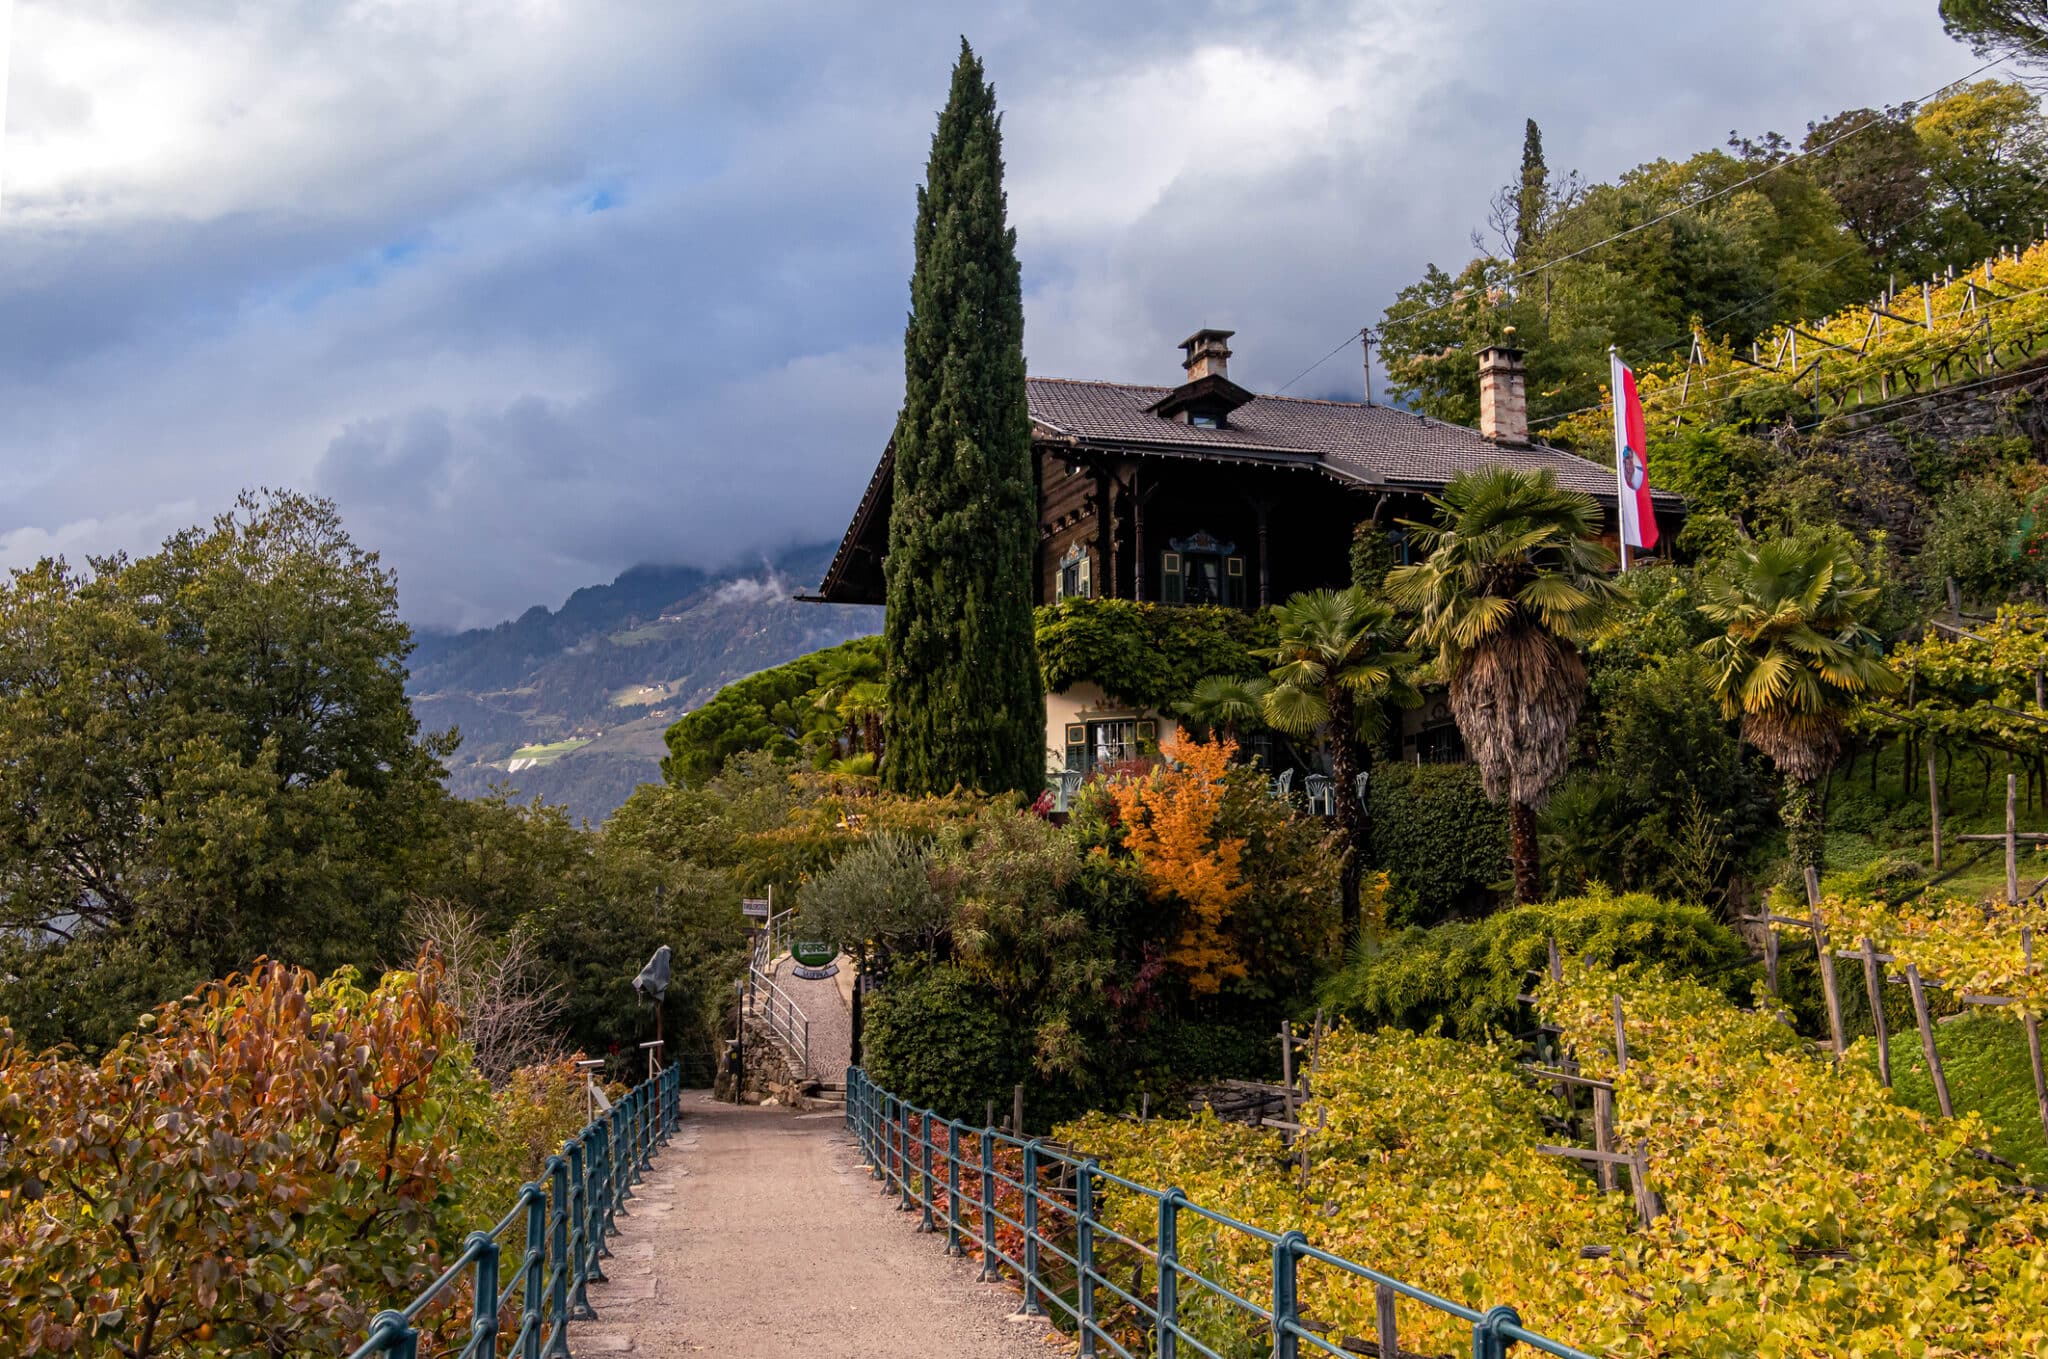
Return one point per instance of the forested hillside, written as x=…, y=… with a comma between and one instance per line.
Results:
x=570, y=704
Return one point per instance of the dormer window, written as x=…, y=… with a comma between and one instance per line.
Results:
x=1206, y=419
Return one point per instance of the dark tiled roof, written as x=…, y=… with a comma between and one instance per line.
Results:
x=1371, y=444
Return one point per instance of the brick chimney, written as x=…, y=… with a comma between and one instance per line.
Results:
x=1503, y=397
x=1208, y=354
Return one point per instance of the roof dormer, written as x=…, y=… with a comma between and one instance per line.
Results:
x=1208, y=396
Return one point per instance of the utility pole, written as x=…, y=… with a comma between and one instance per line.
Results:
x=1365, y=343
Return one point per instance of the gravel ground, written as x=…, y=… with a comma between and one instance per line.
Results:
x=758, y=1234
x=831, y=1022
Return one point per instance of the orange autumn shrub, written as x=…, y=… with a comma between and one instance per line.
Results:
x=1172, y=829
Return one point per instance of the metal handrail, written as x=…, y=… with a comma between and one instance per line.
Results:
x=788, y=1021
x=567, y=1221
x=903, y=1149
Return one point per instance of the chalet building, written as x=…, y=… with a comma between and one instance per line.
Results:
x=1205, y=493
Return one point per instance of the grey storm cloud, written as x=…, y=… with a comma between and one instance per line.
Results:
x=536, y=291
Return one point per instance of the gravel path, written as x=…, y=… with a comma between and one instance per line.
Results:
x=831, y=1023
x=758, y=1234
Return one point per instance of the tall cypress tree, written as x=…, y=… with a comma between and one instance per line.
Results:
x=966, y=705
x=1533, y=195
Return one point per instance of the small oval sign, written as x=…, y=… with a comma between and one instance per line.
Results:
x=813, y=952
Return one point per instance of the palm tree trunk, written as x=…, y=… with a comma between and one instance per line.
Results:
x=1522, y=835
x=1352, y=817
x=1805, y=835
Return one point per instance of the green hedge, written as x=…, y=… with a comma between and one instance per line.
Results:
x=1150, y=655
x=1468, y=973
x=942, y=1039
x=1442, y=843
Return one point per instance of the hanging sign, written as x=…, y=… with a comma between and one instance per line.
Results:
x=754, y=908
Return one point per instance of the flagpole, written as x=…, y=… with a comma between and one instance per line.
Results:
x=1620, y=487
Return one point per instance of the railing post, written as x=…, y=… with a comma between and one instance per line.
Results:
x=1487, y=1341
x=405, y=1342
x=622, y=1148
x=533, y=1301
x=852, y=1075
x=647, y=1113
x=558, y=1293
x=924, y=1178
x=1084, y=1252
x=1029, y=1179
x=579, y=1234
x=953, y=1246
x=903, y=1155
x=600, y=1200
x=483, y=1305
x=1286, y=1302
x=991, y=1272
x=1166, y=1342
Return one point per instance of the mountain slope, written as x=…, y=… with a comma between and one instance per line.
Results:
x=571, y=704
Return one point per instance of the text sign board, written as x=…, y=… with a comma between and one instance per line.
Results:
x=754, y=908
x=813, y=952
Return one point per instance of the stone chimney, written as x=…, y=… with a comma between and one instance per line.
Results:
x=1208, y=354
x=1503, y=397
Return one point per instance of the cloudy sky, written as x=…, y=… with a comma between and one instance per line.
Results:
x=538, y=289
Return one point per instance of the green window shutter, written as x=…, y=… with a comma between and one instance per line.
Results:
x=1233, y=581
x=1170, y=577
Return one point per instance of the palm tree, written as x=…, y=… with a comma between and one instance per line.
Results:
x=1795, y=659
x=1514, y=581
x=1335, y=667
x=1227, y=705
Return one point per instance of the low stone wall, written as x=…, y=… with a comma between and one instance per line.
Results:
x=767, y=1074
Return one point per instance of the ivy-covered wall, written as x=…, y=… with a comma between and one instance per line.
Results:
x=1147, y=655
x=1444, y=846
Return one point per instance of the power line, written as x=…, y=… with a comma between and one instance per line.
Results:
x=1340, y=346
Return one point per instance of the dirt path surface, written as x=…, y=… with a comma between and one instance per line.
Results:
x=759, y=1235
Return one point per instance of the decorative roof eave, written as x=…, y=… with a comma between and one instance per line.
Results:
x=884, y=470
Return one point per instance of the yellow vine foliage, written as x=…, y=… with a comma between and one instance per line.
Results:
x=1972, y=949
x=1170, y=828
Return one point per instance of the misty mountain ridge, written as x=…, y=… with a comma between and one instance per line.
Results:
x=571, y=704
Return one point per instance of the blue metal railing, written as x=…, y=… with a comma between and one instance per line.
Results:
x=566, y=1223
x=1058, y=1198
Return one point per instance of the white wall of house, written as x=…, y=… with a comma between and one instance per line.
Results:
x=1086, y=703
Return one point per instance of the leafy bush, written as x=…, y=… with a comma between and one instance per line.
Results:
x=940, y=1037
x=790, y=710
x=249, y=1172
x=1151, y=655
x=1441, y=842
x=1466, y=975
x=1970, y=539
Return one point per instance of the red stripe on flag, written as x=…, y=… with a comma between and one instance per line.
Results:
x=1638, y=439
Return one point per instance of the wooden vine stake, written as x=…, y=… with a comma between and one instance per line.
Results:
x=2034, y=1035
x=1647, y=1207
x=1948, y=1110
x=1827, y=963
x=2012, y=840
x=1934, y=804
x=1873, y=982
